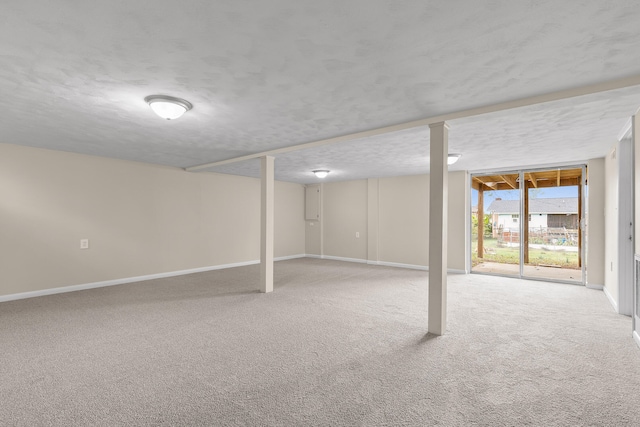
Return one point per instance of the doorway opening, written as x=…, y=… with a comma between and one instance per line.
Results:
x=528, y=223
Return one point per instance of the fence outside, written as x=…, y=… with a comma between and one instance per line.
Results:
x=549, y=236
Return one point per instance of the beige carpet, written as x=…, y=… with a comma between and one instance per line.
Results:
x=335, y=344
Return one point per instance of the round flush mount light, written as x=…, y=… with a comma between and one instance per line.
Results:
x=321, y=173
x=168, y=107
x=452, y=158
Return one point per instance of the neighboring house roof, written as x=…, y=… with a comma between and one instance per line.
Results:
x=561, y=205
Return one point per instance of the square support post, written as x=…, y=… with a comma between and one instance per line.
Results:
x=266, y=223
x=438, y=200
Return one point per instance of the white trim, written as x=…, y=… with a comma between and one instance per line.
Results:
x=611, y=300
x=625, y=132
x=626, y=219
x=288, y=257
x=400, y=265
x=636, y=337
x=387, y=264
x=93, y=285
x=595, y=286
x=339, y=258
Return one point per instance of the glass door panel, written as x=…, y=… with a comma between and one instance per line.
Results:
x=552, y=236
x=495, y=228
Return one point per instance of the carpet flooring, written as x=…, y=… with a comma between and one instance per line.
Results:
x=336, y=344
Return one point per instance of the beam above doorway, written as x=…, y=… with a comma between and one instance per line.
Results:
x=543, y=179
x=502, y=106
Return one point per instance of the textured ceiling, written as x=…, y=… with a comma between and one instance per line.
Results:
x=264, y=75
x=567, y=131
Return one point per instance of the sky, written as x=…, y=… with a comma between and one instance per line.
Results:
x=549, y=192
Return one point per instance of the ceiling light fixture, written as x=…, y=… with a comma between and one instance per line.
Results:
x=321, y=173
x=453, y=158
x=168, y=107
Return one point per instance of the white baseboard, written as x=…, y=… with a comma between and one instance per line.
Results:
x=401, y=265
x=85, y=286
x=285, y=258
x=611, y=300
x=386, y=264
x=636, y=338
x=313, y=256
x=595, y=286
x=339, y=258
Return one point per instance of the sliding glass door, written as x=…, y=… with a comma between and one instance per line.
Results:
x=495, y=229
x=531, y=224
x=553, y=239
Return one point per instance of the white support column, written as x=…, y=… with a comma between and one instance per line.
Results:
x=266, y=223
x=373, y=193
x=438, y=200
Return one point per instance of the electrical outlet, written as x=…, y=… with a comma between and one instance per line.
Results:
x=357, y=234
x=84, y=243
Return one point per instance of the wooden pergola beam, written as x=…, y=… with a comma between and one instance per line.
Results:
x=563, y=183
x=533, y=180
x=544, y=183
x=476, y=183
x=510, y=181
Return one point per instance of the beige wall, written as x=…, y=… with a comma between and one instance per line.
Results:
x=392, y=216
x=344, y=208
x=313, y=238
x=373, y=212
x=313, y=230
x=289, y=219
x=611, y=224
x=595, y=249
x=140, y=219
x=459, y=218
x=403, y=227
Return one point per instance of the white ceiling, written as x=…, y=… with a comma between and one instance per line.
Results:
x=269, y=74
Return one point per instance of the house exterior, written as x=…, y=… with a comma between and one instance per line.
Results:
x=561, y=212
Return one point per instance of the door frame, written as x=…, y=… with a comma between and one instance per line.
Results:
x=625, y=264
x=635, y=316
x=581, y=220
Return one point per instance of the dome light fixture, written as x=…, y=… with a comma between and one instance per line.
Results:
x=452, y=158
x=321, y=173
x=168, y=107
